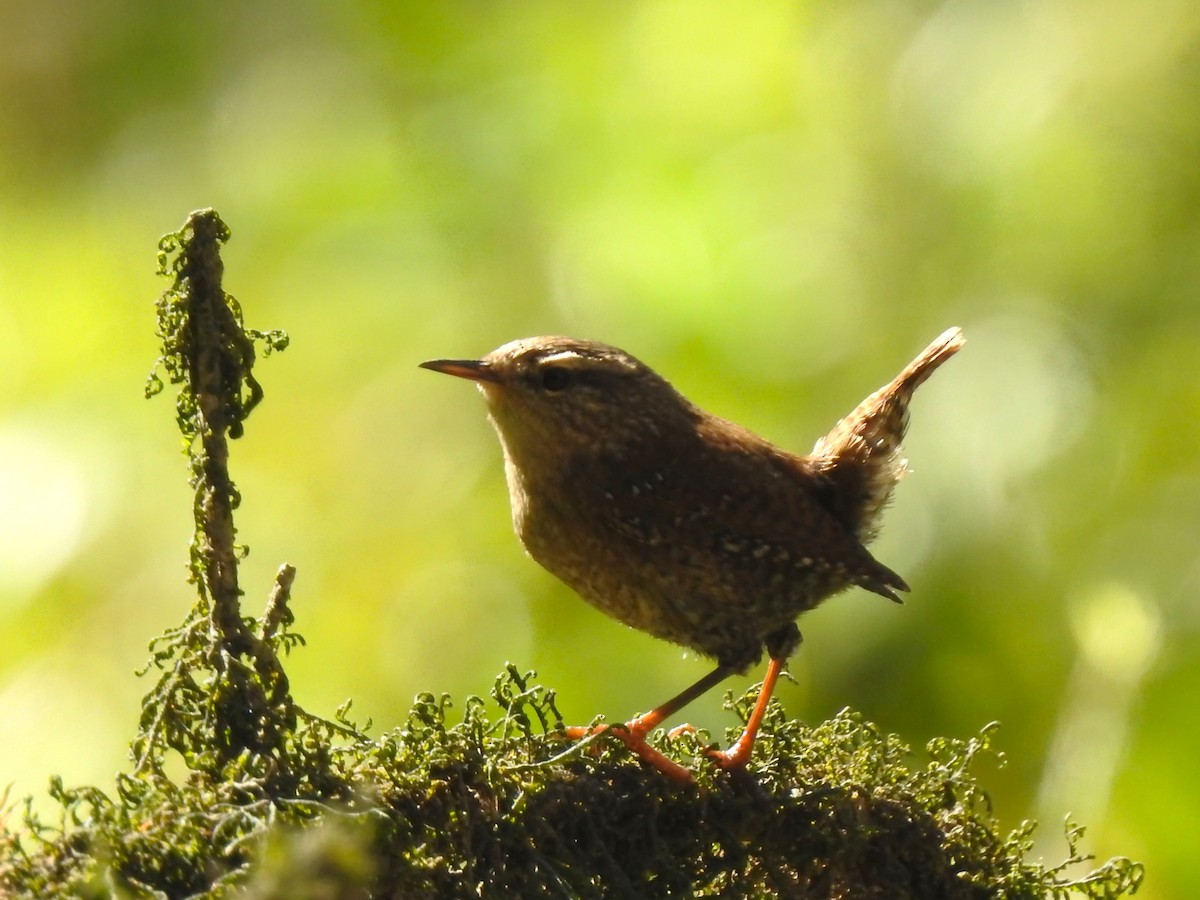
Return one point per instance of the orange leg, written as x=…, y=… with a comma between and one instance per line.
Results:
x=634, y=732
x=739, y=754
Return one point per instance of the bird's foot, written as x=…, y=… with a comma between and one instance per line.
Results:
x=633, y=735
x=735, y=757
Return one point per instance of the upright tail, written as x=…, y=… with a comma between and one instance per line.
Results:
x=860, y=461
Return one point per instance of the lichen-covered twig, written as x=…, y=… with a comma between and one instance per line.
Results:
x=209, y=353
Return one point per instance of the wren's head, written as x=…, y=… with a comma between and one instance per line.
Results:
x=553, y=397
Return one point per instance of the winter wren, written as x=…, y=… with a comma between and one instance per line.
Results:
x=682, y=524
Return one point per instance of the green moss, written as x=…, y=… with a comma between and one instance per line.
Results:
x=498, y=804
x=275, y=802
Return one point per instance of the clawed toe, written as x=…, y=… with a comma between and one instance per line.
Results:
x=732, y=759
x=633, y=735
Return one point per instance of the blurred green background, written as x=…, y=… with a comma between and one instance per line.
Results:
x=776, y=205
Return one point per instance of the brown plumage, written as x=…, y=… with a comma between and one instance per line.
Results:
x=680, y=523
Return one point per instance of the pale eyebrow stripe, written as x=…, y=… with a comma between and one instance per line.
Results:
x=563, y=356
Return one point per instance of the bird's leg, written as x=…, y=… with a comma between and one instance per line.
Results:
x=739, y=754
x=633, y=733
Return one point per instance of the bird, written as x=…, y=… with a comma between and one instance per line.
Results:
x=683, y=524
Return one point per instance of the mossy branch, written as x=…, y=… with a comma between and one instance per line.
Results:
x=244, y=704
x=278, y=803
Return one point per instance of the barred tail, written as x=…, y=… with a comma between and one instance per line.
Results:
x=860, y=459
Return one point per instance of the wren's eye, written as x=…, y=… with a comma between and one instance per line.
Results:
x=555, y=378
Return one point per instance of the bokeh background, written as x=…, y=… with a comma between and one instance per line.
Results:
x=775, y=204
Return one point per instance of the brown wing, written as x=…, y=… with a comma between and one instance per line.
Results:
x=731, y=502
